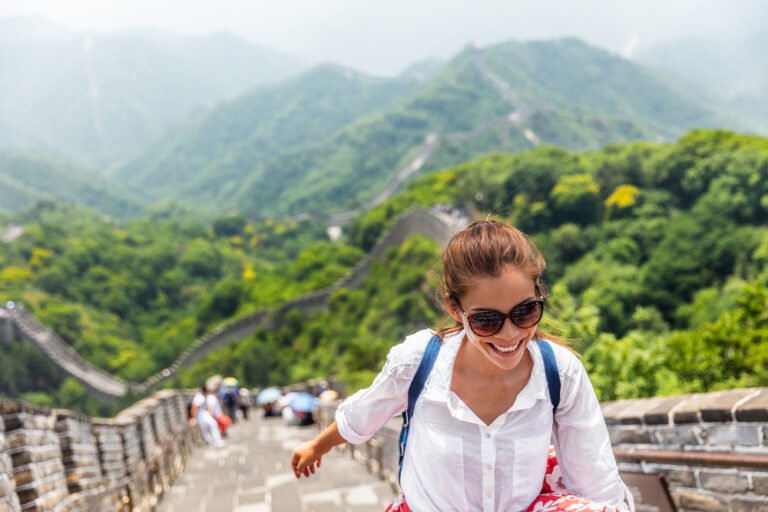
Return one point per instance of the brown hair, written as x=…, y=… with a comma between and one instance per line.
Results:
x=484, y=249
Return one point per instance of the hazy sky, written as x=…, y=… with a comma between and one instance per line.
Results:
x=384, y=36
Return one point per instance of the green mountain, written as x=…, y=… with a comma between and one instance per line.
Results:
x=26, y=179
x=511, y=97
x=102, y=98
x=207, y=159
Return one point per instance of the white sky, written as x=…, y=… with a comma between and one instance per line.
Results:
x=384, y=36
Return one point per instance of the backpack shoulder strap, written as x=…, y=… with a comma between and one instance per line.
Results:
x=415, y=389
x=551, y=372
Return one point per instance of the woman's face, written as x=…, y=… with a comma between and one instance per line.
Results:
x=505, y=349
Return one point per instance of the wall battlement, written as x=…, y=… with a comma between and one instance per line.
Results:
x=54, y=460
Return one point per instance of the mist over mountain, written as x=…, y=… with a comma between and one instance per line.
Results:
x=102, y=98
x=733, y=70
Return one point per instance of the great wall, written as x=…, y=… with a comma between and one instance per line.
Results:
x=699, y=452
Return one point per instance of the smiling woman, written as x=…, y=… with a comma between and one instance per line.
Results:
x=486, y=397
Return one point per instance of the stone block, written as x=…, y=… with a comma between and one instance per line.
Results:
x=7, y=486
x=659, y=413
x=29, y=474
x=755, y=409
x=749, y=504
x=624, y=435
x=678, y=436
x=10, y=503
x=612, y=409
x=710, y=407
x=32, y=454
x=733, y=435
x=27, y=438
x=29, y=418
x=679, y=477
x=760, y=484
x=699, y=502
x=725, y=483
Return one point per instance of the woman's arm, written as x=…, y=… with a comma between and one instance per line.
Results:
x=582, y=443
x=307, y=457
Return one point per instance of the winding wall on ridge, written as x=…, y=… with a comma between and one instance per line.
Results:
x=18, y=322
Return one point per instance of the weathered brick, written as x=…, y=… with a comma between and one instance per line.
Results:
x=700, y=502
x=747, y=504
x=760, y=484
x=659, y=414
x=725, y=483
x=678, y=435
x=732, y=435
x=611, y=409
x=754, y=409
x=621, y=435
x=717, y=406
x=680, y=477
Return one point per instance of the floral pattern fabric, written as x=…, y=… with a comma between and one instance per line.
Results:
x=554, y=496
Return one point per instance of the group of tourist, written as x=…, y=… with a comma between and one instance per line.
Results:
x=215, y=406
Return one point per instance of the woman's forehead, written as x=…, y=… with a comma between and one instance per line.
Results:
x=506, y=290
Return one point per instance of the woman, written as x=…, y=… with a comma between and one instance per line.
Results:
x=481, y=429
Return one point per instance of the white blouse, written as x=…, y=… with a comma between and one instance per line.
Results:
x=455, y=462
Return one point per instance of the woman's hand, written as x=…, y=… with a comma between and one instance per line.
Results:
x=306, y=459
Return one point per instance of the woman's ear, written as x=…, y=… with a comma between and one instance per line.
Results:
x=453, y=308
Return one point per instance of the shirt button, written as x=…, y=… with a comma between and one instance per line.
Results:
x=488, y=494
x=487, y=436
x=488, y=467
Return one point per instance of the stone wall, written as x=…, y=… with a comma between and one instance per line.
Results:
x=60, y=461
x=710, y=450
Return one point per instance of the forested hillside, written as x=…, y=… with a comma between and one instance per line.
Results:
x=131, y=297
x=658, y=266
x=285, y=151
x=28, y=178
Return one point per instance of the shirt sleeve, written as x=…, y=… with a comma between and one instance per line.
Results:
x=361, y=415
x=582, y=444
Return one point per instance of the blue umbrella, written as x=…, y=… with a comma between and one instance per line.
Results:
x=269, y=395
x=303, y=402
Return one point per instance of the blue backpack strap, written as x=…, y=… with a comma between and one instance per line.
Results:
x=550, y=370
x=417, y=385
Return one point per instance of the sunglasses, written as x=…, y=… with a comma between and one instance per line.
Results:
x=487, y=322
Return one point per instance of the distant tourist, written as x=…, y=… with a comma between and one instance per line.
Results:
x=230, y=398
x=200, y=415
x=500, y=391
x=245, y=402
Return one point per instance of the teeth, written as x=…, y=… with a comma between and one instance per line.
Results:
x=506, y=349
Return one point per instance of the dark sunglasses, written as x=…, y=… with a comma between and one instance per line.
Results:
x=487, y=322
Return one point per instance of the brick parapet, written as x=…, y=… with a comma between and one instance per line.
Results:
x=60, y=461
x=712, y=448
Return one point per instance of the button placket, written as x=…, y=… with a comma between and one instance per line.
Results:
x=488, y=459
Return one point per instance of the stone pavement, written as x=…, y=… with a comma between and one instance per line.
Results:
x=252, y=474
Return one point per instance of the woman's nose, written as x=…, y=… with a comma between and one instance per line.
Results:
x=509, y=329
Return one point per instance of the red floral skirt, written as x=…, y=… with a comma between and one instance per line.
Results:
x=554, y=496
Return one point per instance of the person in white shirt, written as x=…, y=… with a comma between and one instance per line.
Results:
x=201, y=416
x=482, y=427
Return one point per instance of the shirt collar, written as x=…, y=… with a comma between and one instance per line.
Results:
x=438, y=386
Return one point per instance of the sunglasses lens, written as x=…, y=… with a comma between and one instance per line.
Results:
x=528, y=314
x=486, y=323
